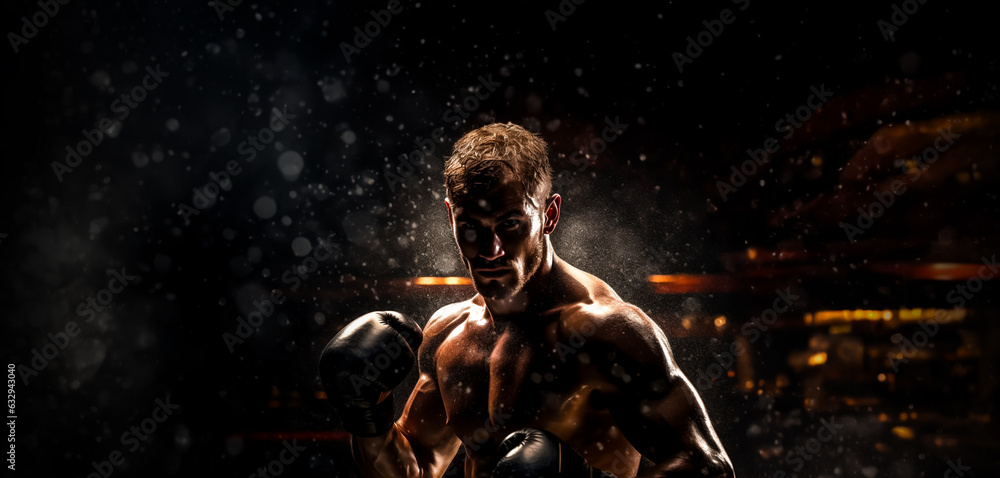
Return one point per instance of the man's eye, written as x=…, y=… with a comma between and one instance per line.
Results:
x=509, y=224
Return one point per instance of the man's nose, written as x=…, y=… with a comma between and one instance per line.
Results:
x=492, y=248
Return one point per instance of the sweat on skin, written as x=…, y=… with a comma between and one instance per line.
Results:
x=484, y=362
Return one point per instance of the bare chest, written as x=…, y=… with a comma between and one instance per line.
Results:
x=493, y=383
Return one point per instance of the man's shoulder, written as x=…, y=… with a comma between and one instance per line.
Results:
x=448, y=316
x=607, y=315
x=611, y=320
x=621, y=341
x=441, y=324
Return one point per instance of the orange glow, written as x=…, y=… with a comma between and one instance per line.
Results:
x=905, y=433
x=691, y=283
x=751, y=253
x=818, y=359
x=982, y=417
x=824, y=317
x=943, y=271
x=320, y=395
x=911, y=314
x=442, y=281
x=945, y=441
x=720, y=321
x=828, y=316
x=840, y=329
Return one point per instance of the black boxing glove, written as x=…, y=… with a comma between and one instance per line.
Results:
x=531, y=453
x=363, y=363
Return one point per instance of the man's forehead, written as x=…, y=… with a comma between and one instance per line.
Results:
x=506, y=196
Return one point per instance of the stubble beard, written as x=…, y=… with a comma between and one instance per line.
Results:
x=496, y=290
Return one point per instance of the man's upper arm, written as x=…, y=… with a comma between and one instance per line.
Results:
x=653, y=403
x=423, y=420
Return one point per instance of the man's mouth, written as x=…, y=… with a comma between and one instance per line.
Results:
x=492, y=272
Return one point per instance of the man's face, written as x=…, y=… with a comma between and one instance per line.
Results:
x=500, y=237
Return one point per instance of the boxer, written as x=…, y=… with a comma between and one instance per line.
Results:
x=546, y=371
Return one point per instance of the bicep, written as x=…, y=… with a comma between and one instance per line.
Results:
x=423, y=423
x=669, y=427
x=424, y=420
x=654, y=404
x=417, y=445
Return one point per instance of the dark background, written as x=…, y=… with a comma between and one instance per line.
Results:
x=648, y=204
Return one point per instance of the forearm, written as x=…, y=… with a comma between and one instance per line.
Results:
x=682, y=466
x=389, y=455
x=538, y=452
x=388, y=343
x=685, y=473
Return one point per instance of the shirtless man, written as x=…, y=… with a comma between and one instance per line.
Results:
x=546, y=371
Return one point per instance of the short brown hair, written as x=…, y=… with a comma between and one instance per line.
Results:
x=488, y=154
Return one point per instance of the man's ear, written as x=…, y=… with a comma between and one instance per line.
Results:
x=552, y=208
x=451, y=221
